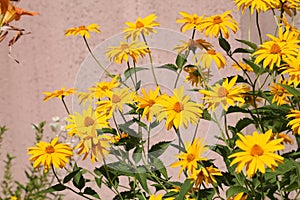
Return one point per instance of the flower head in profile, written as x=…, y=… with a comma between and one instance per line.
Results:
x=58, y=93
x=196, y=77
x=146, y=102
x=257, y=152
x=83, y=30
x=121, y=53
x=188, y=160
x=219, y=24
x=155, y=197
x=280, y=94
x=189, y=21
x=205, y=59
x=286, y=138
x=226, y=94
x=292, y=68
x=193, y=45
x=178, y=110
x=101, y=89
x=257, y=5
x=142, y=26
x=288, y=6
x=48, y=154
x=206, y=174
x=295, y=122
x=242, y=66
x=239, y=196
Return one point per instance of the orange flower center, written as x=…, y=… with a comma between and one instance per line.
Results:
x=217, y=20
x=222, y=92
x=124, y=46
x=104, y=88
x=211, y=52
x=178, y=107
x=50, y=149
x=82, y=28
x=275, y=49
x=88, y=121
x=190, y=157
x=139, y=24
x=115, y=98
x=280, y=92
x=151, y=102
x=256, y=150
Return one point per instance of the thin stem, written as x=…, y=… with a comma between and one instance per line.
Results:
x=128, y=67
x=258, y=28
x=135, y=74
x=97, y=61
x=65, y=105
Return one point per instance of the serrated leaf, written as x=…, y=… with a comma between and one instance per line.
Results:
x=242, y=123
x=159, y=148
x=133, y=70
x=137, y=154
x=91, y=192
x=159, y=165
x=224, y=44
x=180, y=60
x=70, y=175
x=248, y=43
x=79, y=181
x=185, y=188
x=142, y=178
x=171, y=67
x=234, y=190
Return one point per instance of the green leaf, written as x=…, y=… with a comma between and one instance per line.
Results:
x=90, y=191
x=224, y=44
x=79, y=181
x=292, y=187
x=137, y=154
x=159, y=148
x=257, y=69
x=248, y=43
x=58, y=187
x=206, y=115
x=98, y=181
x=106, y=130
x=171, y=67
x=234, y=190
x=159, y=165
x=291, y=90
x=70, y=175
x=242, y=50
x=181, y=60
x=133, y=70
x=185, y=188
x=235, y=109
x=242, y=123
x=141, y=176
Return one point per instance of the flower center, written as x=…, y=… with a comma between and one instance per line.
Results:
x=82, y=28
x=256, y=150
x=217, y=20
x=115, y=98
x=124, y=46
x=190, y=157
x=151, y=102
x=280, y=92
x=88, y=121
x=104, y=88
x=275, y=49
x=211, y=52
x=139, y=24
x=178, y=107
x=222, y=92
x=50, y=149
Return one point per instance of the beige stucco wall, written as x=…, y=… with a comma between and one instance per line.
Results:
x=49, y=60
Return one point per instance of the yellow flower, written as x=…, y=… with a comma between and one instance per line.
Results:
x=211, y=55
x=292, y=68
x=11, y=12
x=101, y=89
x=295, y=123
x=189, y=21
x=141, y=26
x=86, y=123
x=58, y=93
x=195, y=77
x=147, y=101
x=288, y=6
x=116, y=100
x=193, y=45
x=189, y=160
x=83, y=30
x=155, y=197
x=257, y=5
x=133, y=49
x=48, y=154
x=219, y=24
x=117, y=138
x=242, y=66
x=225, y=94
x=257, y=151
x=286, y=138
x=178, y=110
x=280, y=94
x=205, y=174
x=239, y=196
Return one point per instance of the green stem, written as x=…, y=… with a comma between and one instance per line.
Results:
x=94, y=57
x=258, y=28
x=128, y=67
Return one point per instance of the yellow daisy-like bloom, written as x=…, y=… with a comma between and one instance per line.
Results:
x=141, y=26
x=189, y=21
x=195, y=77
x=48, y=154
x=292, y=68
x=58, y=93
x=239, y=196
x=216, y=24
x=116, y=100
x=225, y=94
x=294, y=123
x=83, y=30
x=178, y=109
x=193, y=45
x=86, y=123
x=257, y=152
x=188, y=160
x=101, y=89
x=117, y=138
x=289, y=6
x=121, y=53
x=286, y=138
x=242, y=66
x=155, y=197
x=205, y=174
x=280, y=95
x=206, y=59
x=146, y=102
x=257, y=5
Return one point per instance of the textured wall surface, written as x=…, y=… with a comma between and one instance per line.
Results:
x=49, y=60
